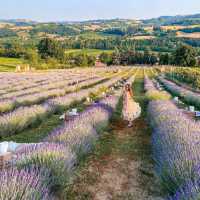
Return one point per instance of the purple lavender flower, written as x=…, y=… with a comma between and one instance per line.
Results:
x=56, y=158
x=175, y=144
x=22, y=184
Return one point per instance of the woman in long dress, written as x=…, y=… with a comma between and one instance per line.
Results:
x=131, y=109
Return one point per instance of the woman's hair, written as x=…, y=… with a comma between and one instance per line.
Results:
x=129, y=89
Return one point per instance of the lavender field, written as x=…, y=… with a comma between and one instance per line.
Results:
x=30, y=99
x=48, y=163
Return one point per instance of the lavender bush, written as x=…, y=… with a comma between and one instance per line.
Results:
x=175, y=143
x=79, y=133
x=190, y=191
x=152, y=93
x=23, y=117
x=38, y=97
x=24, y=185
x=71, y=139
x=189, y=96
x=57, y=156
x=58, y=159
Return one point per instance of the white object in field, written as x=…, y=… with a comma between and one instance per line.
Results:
x=3, y=148
x=73, y=112
x=191, y=108
x=62, y=117
x=176, y=99
x=6, y=147
x=103, y=93
x=88, y=99
x=12, y=146
x=197, y=113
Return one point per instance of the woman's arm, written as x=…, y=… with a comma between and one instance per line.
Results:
x=131, y=92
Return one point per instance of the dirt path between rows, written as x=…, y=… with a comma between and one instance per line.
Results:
x=120, y=168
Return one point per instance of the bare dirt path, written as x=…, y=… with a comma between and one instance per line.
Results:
x=120, y=168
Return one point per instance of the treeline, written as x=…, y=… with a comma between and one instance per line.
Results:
x=129, y=57
x=5, y=32
x=48, y=53
x=130, y=30
x=13, y=50
x=182, y=56
x=58, y=29
x=157, y=44
x=51, y=54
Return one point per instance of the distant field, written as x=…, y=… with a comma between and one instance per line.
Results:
x=95, y=35
x=142, y=37
x=195, y=35
x=93, y=52
x=9, y=64
x=166, y=28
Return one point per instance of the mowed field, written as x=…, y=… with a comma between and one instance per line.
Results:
x=92, y=52
x=195, y=35
x=9, y=64
x=94, y=155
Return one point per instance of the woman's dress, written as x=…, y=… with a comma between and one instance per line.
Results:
x=131, y=109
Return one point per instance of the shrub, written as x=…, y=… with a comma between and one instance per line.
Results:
x=58, y=159
x=156, y=95
x=23, y=185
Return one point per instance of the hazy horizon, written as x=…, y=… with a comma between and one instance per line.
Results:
x=77, y=10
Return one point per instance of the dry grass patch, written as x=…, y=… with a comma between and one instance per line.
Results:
x=195, y=35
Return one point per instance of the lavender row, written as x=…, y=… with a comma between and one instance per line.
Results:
x=24, y=117
x=52, y=82
x=55, y=161
x=20, y=81
x=25, y=81
x=62, y=101
x=60, y=151
x=148, y=84
x=31, y=80
x=171, y=150
x=152, y=93
x=40, y=87
x=176, y=151
x=24, y=185
x=95, y=116
x=30, y=86
x=188, y=96
x=8, y=105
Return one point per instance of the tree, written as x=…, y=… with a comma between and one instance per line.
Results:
x=106, y=58
x=185, y=56
x=91, y=60
x=81, y=60
x=32, y=57
x=52, y=63
x=164, y=59
x=116, y=57
x=153, y=59
x=50, y=48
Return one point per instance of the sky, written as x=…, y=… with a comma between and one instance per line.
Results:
x=79, y=10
